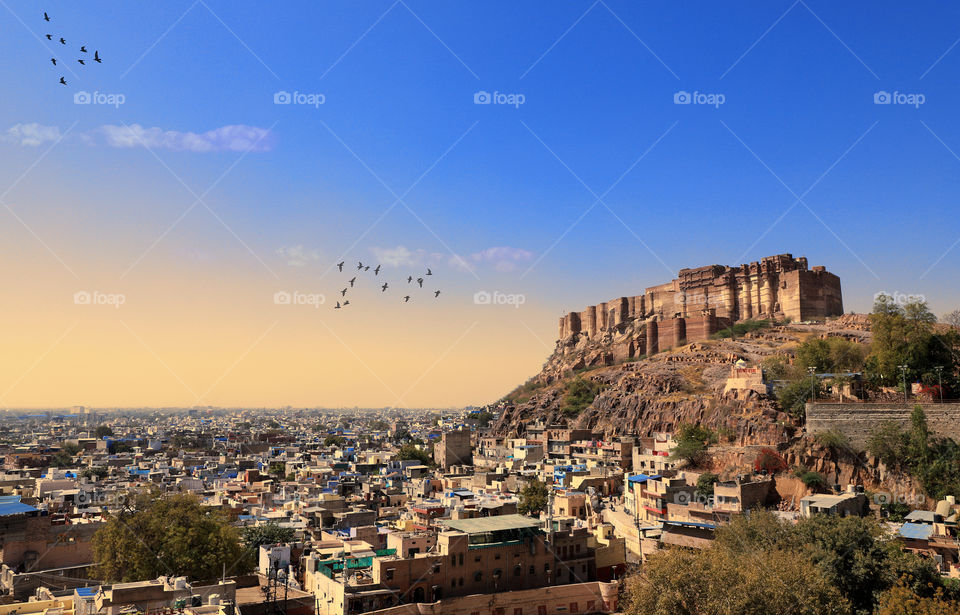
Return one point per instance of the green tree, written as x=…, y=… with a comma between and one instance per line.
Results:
x=533, y=498
x=254, y=536
x=691, y=443
x=277, y=468
x=334, y=441
x=705, y=484
x=100, y=472
x=412, y=451
x=579, y=394
x=103, y=431
x=167, y=535
x=794, y=396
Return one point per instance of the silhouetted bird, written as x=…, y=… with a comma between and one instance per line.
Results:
x=343, y=293
x=83, y=49
x=367, y=268
x=352, y=280
x=49, y=37
x=429, y=272
x=420, y=282
x=377, y=270
x=54, y=60
x=96, y=57
x=359, y=265
x=407, y=298
x=337, y=306
x=409, y=279
x=436, y=294
x=63, y=41
x=347, y=302
x=340, y=265
x=63, y=81
x=45, y=16
x=383, y=288
x=82, y=62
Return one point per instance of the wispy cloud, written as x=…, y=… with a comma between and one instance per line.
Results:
x=502, y=258
x=32, y=134
x=297, y=256
x=232, y=138
x=400, y=256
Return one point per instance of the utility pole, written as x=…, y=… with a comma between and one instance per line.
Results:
x=903, y=370
x=939, y=369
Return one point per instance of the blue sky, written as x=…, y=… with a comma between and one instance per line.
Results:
x=681, y=185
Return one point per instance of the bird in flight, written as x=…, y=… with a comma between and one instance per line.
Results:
x=377, y=270
x=436, y=294
x=420, y=282
x=82, y=62
x=45, y=16
x=49, y=37
x=429, y=272
x=347, y=302
x=337, y=306
x=63, y=81
x=340, y=265
x=409, y=279
x=63, y=41
x=383, y=288
x=83, y=49
x=359, y=265
x=352, y=280
x=407, y=298
x=96, y=57
x=367, y=268
x=54, y=60
x=343, y=293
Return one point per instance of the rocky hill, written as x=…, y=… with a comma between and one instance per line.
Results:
x=656, y=394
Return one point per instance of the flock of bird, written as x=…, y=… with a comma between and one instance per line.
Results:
x=83, y=49
x=383, y=287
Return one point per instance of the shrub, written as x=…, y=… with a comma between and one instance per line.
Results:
x=769, y=461
x=580, y=393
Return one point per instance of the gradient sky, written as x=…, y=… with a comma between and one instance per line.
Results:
x=198, y=198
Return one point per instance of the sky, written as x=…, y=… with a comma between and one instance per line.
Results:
x=170, y=219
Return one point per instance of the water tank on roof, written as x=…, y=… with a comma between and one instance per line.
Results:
x=213, y=599
x=180, y=583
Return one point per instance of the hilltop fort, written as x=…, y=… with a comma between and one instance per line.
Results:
x=704, y=300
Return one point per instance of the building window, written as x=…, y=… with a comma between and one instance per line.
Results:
x=461, y=559
x=453, y=560
x=390, y=573
x=517, y=611
x=517, y=570
x=578, y=548
x=478, y=577
x=542, y=609
x=533, y=571
x=574, y=607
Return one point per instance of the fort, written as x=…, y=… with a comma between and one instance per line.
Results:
x=704, y=300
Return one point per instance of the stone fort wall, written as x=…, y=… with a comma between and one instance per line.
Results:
x=701, y=301
x=858, y=421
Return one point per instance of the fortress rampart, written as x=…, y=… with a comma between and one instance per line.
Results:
x=858, y=421
x=702, y=301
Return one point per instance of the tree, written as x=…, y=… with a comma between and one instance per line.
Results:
x=769, y=461
x=951, y=318
x=103, y=431
x=334, y=441
x=100, y=472
x=705, y=484
x=901, y=600
x=793, y=397
x=691, y=444
x=167, y=535
x=533, y=498
x=277, y=468
x=412, y=451
x=255, y=536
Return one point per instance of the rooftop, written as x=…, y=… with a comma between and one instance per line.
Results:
x=491, y=524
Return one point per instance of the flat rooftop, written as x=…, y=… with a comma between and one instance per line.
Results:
x=491, y=524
